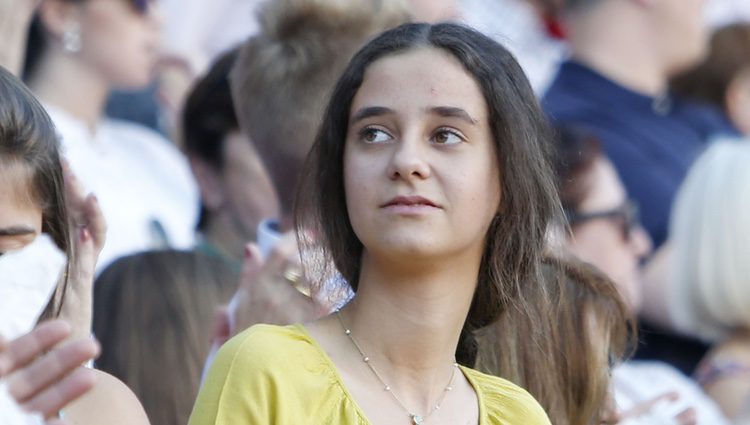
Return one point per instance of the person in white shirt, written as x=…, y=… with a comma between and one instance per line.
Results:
x=79, y=51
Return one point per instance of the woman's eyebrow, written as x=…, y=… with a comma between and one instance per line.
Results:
x=370, y=111
x=453, y=112
x=17, y=231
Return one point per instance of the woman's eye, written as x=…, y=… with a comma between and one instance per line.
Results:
x=374, y=135
x=447, y=137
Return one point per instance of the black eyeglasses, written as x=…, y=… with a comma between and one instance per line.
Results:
x=141, y=6
x=626, y=215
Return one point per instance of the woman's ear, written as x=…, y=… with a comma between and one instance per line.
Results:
x=58, y=16
x=209, y=183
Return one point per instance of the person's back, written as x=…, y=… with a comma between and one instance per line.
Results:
x=615, y=87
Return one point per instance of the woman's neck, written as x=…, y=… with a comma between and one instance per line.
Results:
x=412, y=319
x=64, y=81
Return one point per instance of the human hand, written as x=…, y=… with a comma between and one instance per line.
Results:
x=656, y=406
x=46, y=383
x=89, y=234
x=271, y=290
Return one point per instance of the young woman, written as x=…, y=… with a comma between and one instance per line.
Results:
x=78, y=51
x=35, y=198
x=431, y=195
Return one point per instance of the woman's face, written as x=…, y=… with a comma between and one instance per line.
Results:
x=20, y=216
x=420, y=168
x=606, y=242
x=120, y=40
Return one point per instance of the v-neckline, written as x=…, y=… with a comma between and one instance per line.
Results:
x=340, y=381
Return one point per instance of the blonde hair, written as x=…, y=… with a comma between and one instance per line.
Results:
x=709, y=234
x=283, y=75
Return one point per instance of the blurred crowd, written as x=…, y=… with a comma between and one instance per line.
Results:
x=151, y=155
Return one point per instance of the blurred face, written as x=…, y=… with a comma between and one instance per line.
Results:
x=682, y=27
x=20, y=216
x=605, y=241
x=420, y=168
x=119, y=39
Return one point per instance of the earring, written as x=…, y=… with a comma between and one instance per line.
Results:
x=71, y=39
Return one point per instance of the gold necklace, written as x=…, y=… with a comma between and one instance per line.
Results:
x=416, y=419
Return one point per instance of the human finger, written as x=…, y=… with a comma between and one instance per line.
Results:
x=221, y=329
x=641, y=408
x=285, y=252
x=25, y=384
x=74, y=194
x=687, y=417
x=24, y=349
x=96, y=223
x=55, y=397
x=251, y=265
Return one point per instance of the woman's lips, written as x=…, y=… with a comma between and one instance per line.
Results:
x=410, y=205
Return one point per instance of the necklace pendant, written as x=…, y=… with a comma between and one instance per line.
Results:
x=416, y=419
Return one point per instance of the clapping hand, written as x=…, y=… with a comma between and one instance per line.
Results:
x=89, y=234
x=42, y=377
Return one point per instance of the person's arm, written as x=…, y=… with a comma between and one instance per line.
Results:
x=15, y=18
x=47, y=383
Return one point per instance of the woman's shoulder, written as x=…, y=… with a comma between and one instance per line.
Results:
x=110, y=401
x=260, y=349
x=270, y=340
x=269, y=371
x=505, y=402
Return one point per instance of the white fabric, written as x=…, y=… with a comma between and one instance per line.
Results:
x=638, y=381
x=143, y=184
x=516, y=25
x=724, y=12
x=29, y=277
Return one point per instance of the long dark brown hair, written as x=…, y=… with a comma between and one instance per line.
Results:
x=515, y=239
x=28, y=139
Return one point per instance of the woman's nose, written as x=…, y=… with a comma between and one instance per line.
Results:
x=409, y=160
x=640, y=241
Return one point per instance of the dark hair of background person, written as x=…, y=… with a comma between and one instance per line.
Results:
x=729, y=55
x=529, y=202
x=562, y=350
x=208, y=117
x=575, y=151
x=28, y=140
x=284, y=74
x=152, y=316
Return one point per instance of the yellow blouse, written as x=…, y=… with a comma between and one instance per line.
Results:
x=280, y=375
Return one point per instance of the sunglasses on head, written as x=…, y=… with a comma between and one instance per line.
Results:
x=625, y=215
